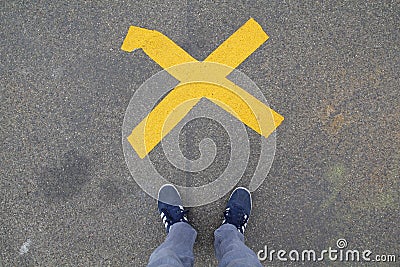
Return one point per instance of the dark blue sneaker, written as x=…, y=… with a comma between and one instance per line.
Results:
x=170, y=206
x=238, y=209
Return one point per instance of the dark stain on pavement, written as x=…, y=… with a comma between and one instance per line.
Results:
x=67, y=179
x=110, y=191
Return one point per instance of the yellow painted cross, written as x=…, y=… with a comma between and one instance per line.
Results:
x=198, y=80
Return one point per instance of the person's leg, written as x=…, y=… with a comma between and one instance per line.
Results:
x=230, y=249
x=177, y=249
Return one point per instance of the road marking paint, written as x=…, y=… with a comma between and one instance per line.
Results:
x=198, y=80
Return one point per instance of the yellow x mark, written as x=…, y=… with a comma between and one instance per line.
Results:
x=198, y=80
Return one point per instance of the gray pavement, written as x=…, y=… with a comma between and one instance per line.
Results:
x=67, y=197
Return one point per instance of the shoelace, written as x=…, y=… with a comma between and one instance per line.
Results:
x=175, y=214
x=236, y=216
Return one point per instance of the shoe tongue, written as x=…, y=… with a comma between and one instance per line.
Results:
x=236, y=215
x=176, y=213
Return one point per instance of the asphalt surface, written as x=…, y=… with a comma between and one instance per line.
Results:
x=67, y=196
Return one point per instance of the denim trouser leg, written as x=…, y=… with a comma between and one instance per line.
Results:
x=177, y=249
x=230, y=249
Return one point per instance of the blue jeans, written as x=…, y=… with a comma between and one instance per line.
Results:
x=177, y=249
